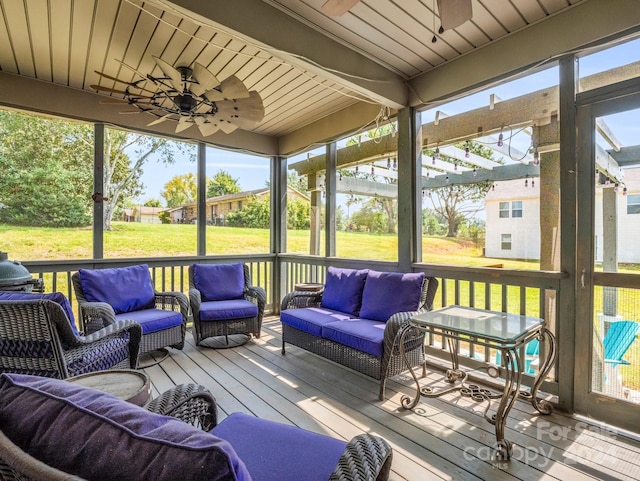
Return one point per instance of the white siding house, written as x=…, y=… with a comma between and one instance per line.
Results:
x=513, y=220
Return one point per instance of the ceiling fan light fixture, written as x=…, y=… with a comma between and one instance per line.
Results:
x=192, y=96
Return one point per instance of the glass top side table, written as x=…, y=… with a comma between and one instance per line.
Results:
x=507, y=333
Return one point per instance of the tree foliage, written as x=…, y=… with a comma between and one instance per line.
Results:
x=46, y=171
x=180, y=190
x=222, y=184
x=257, y=214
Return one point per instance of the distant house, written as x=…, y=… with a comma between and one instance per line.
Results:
x=513, y=220
x=220, y=206
x=146, y=215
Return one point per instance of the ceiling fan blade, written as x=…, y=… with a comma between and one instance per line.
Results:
x=230, y=88
x=454, y=13
x=171, y=72
x=131, y=84
x=184, y=123
x=227, y=127
x=337, y=8
x=116, y=91
x=159, y=120
x=113, y=101
x=245, y=113
x=206, y=80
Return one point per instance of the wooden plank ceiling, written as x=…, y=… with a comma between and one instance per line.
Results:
x=63, y=42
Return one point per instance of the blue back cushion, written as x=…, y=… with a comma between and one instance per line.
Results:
x=97, y=436
x=126, y=289
x=58, y=297
x=343, y=290
x=387, y=293
x=219, y=282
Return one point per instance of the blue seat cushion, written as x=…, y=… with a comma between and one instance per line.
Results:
x=224, y=310
x=343, y=290
x=97, y=436
x=153, y=320
x=387, y=293
x=311, y=319
x=126, y=289
x=219, y=282
x=273, y=451
x=361, y=334
x=58, y=297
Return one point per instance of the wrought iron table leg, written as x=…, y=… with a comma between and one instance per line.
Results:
x=510, y=393
x=541, y=405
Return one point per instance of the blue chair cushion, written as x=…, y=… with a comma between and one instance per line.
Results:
x=387, y=293
x=311, y=319
x=219, y=282
x=343, y=290
x=100, y=437
x=273, y=451
x=126, y=289
x=224, y=310
x=361, y=334
x=153, y=320
x=53, y=296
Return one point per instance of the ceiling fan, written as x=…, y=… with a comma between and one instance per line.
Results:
x=453, y=13
x=191, y=96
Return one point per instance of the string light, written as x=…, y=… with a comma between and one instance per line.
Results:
x=373, y=171
x=624, y=191
x=357, y=168
x=500, y=139
x=455, y=166
x=437, y=154
x=526, y=181
x=388, y=163
x=395, y=163
x=615, y=187
x=467, y=151
x=475, y=172
x=447, y=179
x=533, y=183
x=536, y=157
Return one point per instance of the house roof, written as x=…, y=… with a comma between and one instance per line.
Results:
x=319, y=76
x=144, y=210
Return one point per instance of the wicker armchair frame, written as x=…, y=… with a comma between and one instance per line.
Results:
x=380, y=368
x=366, y=457
x=95, y=315
x=248, y=325
x=40, y=341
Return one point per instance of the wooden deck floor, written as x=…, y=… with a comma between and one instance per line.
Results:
x=444, y=438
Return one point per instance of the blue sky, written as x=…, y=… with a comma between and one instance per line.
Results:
x=252, y=172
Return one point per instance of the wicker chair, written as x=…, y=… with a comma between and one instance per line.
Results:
x=151, y=341
x=36, y=338
x=229, y=316
x=364, y=458
x=380, y=368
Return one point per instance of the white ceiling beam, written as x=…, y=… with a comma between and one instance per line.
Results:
x=269, y=28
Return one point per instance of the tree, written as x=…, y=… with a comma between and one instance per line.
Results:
x=457, y=204
x=46, y=171
x=153, y=203
x=180, y=190
x=221, y=184
x=297, y=181
x=257, y=214
x=125, y=153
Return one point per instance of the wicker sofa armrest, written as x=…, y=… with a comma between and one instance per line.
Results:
x=173, y=301
x=95, y=315
x=195, y=298
x=393, y=330
x=365, y=458
x=17, y=464
x=190, y=403
x=301, y=299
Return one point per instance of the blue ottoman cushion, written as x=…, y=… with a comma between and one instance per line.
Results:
x=311, y=319
x=153, y=320
x=100, y=437
x=232, y=309
x=361, y=334
x=273, y=451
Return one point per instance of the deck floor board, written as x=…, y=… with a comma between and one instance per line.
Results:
x=441, y=439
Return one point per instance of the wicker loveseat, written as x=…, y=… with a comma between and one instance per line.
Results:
x=356, y=320
x=52, y=430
